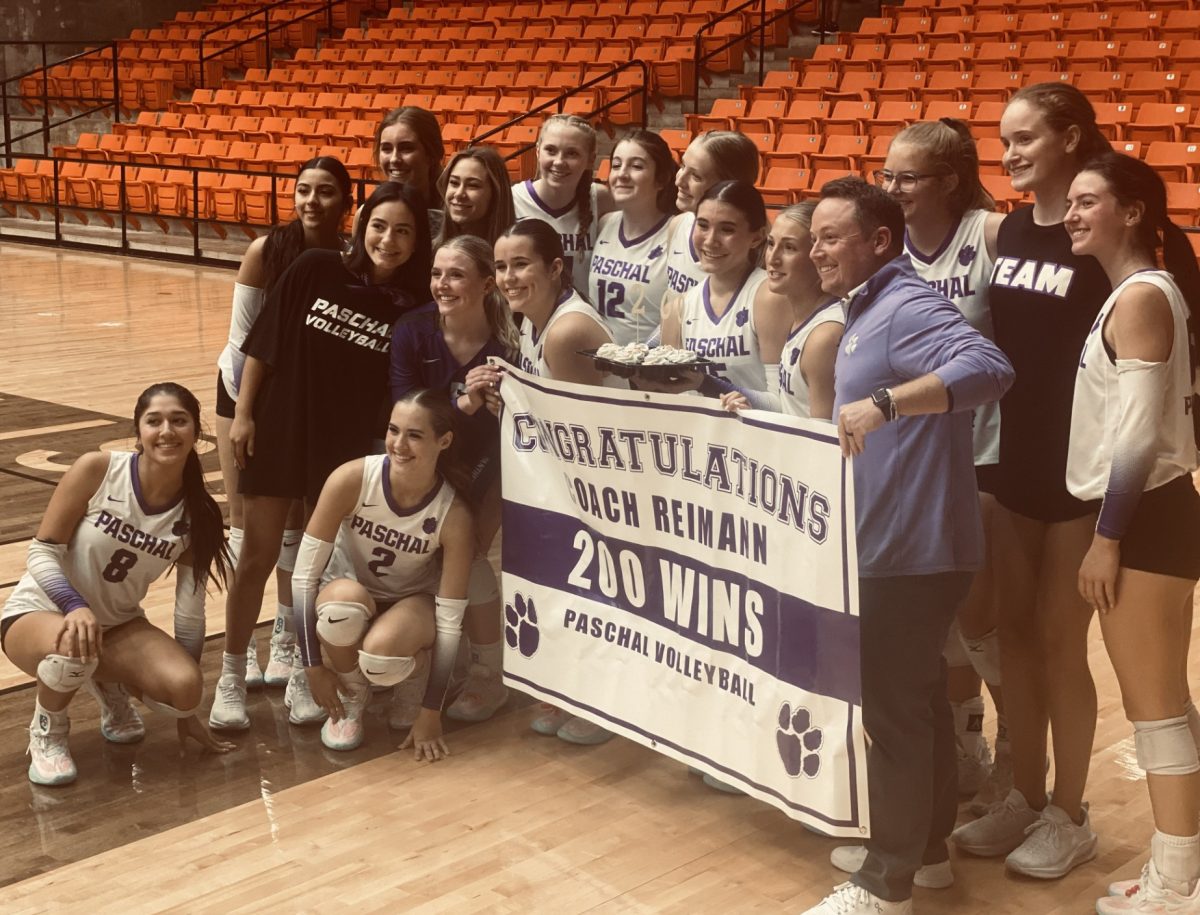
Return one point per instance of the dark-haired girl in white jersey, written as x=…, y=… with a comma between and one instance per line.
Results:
x=932, y=170
x=1043, y=300
x=1133, y=445
x=628, y=276
x=806, y=365
x=116, y=523
x=557, y=325
x=397, y=542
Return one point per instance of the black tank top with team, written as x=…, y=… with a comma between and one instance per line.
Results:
x=326, y=336
x=1044, y=300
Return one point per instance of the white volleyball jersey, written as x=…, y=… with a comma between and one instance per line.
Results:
x=391, y=551
x=532, y=355
x=628, y=278
x=683, y=261
x=247, y=304
x=729, y=341
x=577, y=241
x=961, y=270
x=1096, y=408
x=119, y=548
x=793, y=389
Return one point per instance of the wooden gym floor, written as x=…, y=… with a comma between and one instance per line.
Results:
x=509, y=823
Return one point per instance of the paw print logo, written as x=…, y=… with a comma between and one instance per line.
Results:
x=180, y=528
x=966, y=254
x=656, y=253
x=430, y=525
x=799, y=742
x=521, y=626
x=742, y=317
x=795, y=357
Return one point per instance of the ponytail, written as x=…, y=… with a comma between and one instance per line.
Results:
x=443, y=418
x=583, y=190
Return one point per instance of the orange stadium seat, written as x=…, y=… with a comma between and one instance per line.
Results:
x=905, y=57
x=763, y=115
x=995, y=86
x=1183, y=202
x=840, y=152
x=894, y=116
x=1112, y=117
x=849, y=117
x=1149, y=86
x=855, y=87
x=949, y=85
x=949, y=55
x=1133, y=24
x=1102, y=85
x=1086, y=25
x=784, y=186
x=1175, y=161
x=994, y=27
x=1180, y=25
x=947, y=109
x=1158, y=121
x=877, y=154
x=1051, y=55
x=804, y=116
x=997, y=55
x=793, y=150
x=901, y=86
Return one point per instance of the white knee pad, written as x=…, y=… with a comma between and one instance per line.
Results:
x=63, y=674
x=954, y=652
x=384, y=671
x=984, y=653
x=169, y=710
x=289, y=549
x=342, y=623
x=482, y=587
x=1166, y=747
x=235, y=544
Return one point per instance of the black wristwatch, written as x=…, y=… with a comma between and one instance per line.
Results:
x=882, y=398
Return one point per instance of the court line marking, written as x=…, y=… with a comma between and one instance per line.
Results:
x=63, y=427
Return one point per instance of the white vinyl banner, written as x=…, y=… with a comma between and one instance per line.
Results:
x=687, y=578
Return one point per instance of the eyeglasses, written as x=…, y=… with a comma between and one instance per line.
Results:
x=831, y=241
x=904, y=181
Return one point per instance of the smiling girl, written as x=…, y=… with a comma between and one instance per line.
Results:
x=322, y=199
x=477, y=194
x=387, y=617
x=116, y=523
x=563, y=193
x=409, y=150
x=313, y=390
x=628, y=276
x=1044, y=299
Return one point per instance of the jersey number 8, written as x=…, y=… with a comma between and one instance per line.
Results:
x=119, y=565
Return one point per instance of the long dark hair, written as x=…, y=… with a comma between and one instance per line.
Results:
x=429, y=135
x=746, y=199
x=665, y=166
x=413, y=276
x=1133, y=181
x=547, y=242
x=210, y=555
x=500, y=213
x=443, y=418
x=286, y=242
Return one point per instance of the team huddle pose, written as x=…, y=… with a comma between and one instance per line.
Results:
x=357, y=406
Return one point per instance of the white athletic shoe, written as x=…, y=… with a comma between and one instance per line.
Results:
x=548, y=719
x=229, y=705
x=973, y=769
x=999, y=781
x=50, y=760
x=482, y=696
x=347, y=732
x=1148, y=895
x=850, y=858
x=583, y=733
x=119, y=720
x=848, y=899
x=999, y=831
x=1055, y=845
x=407, y=696
x=254, y=674
x=1125, y=887
x=302, y=707
x=281, y=661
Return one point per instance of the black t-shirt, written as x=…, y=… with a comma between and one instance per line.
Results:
x=1044, y=300
x=326, y=337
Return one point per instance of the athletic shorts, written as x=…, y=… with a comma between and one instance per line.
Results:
x=985, y=477
x=1164, y=536
x=225, y=403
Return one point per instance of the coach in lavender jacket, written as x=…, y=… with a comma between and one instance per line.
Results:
x=909, y=373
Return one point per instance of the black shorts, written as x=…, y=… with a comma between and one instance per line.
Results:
x=1164, y=536
x=5, y=625
x=985, y=477
x=225, y=403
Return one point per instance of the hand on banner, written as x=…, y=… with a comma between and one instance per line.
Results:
x=734, y=401
x=483, y=388
x=855, y=420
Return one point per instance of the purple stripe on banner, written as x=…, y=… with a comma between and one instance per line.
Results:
x=805, y=645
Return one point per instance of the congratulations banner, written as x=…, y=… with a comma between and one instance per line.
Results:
x=687, y=578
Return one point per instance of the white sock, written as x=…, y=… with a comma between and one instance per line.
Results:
x=1193, y=720
x=235, y=544
x=283, y=621
x=52, y=718
x=489, y=655
x=968, y=725
x=234, y=664
x=1177, y=860
x=351, y=679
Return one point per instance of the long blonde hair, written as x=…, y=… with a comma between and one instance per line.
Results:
x=499, y=318
x=583, y=190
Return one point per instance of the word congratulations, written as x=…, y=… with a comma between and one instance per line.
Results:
x=715, y=467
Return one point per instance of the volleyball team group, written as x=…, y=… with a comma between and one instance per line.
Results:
x=359, y=443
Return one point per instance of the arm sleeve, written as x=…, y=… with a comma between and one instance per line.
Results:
x=310, y=563
x=247, y=305
x=45, y=565
x=189, y=611
x=266, y=337
x=930, y=335
x=448, y=617
x=1142, y=387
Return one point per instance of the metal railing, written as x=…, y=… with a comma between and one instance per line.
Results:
x=264, y=36
x=108, y=50
x=764, y=22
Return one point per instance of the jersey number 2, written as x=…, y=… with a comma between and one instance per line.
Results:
x=385, y=559
x=119, y=565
